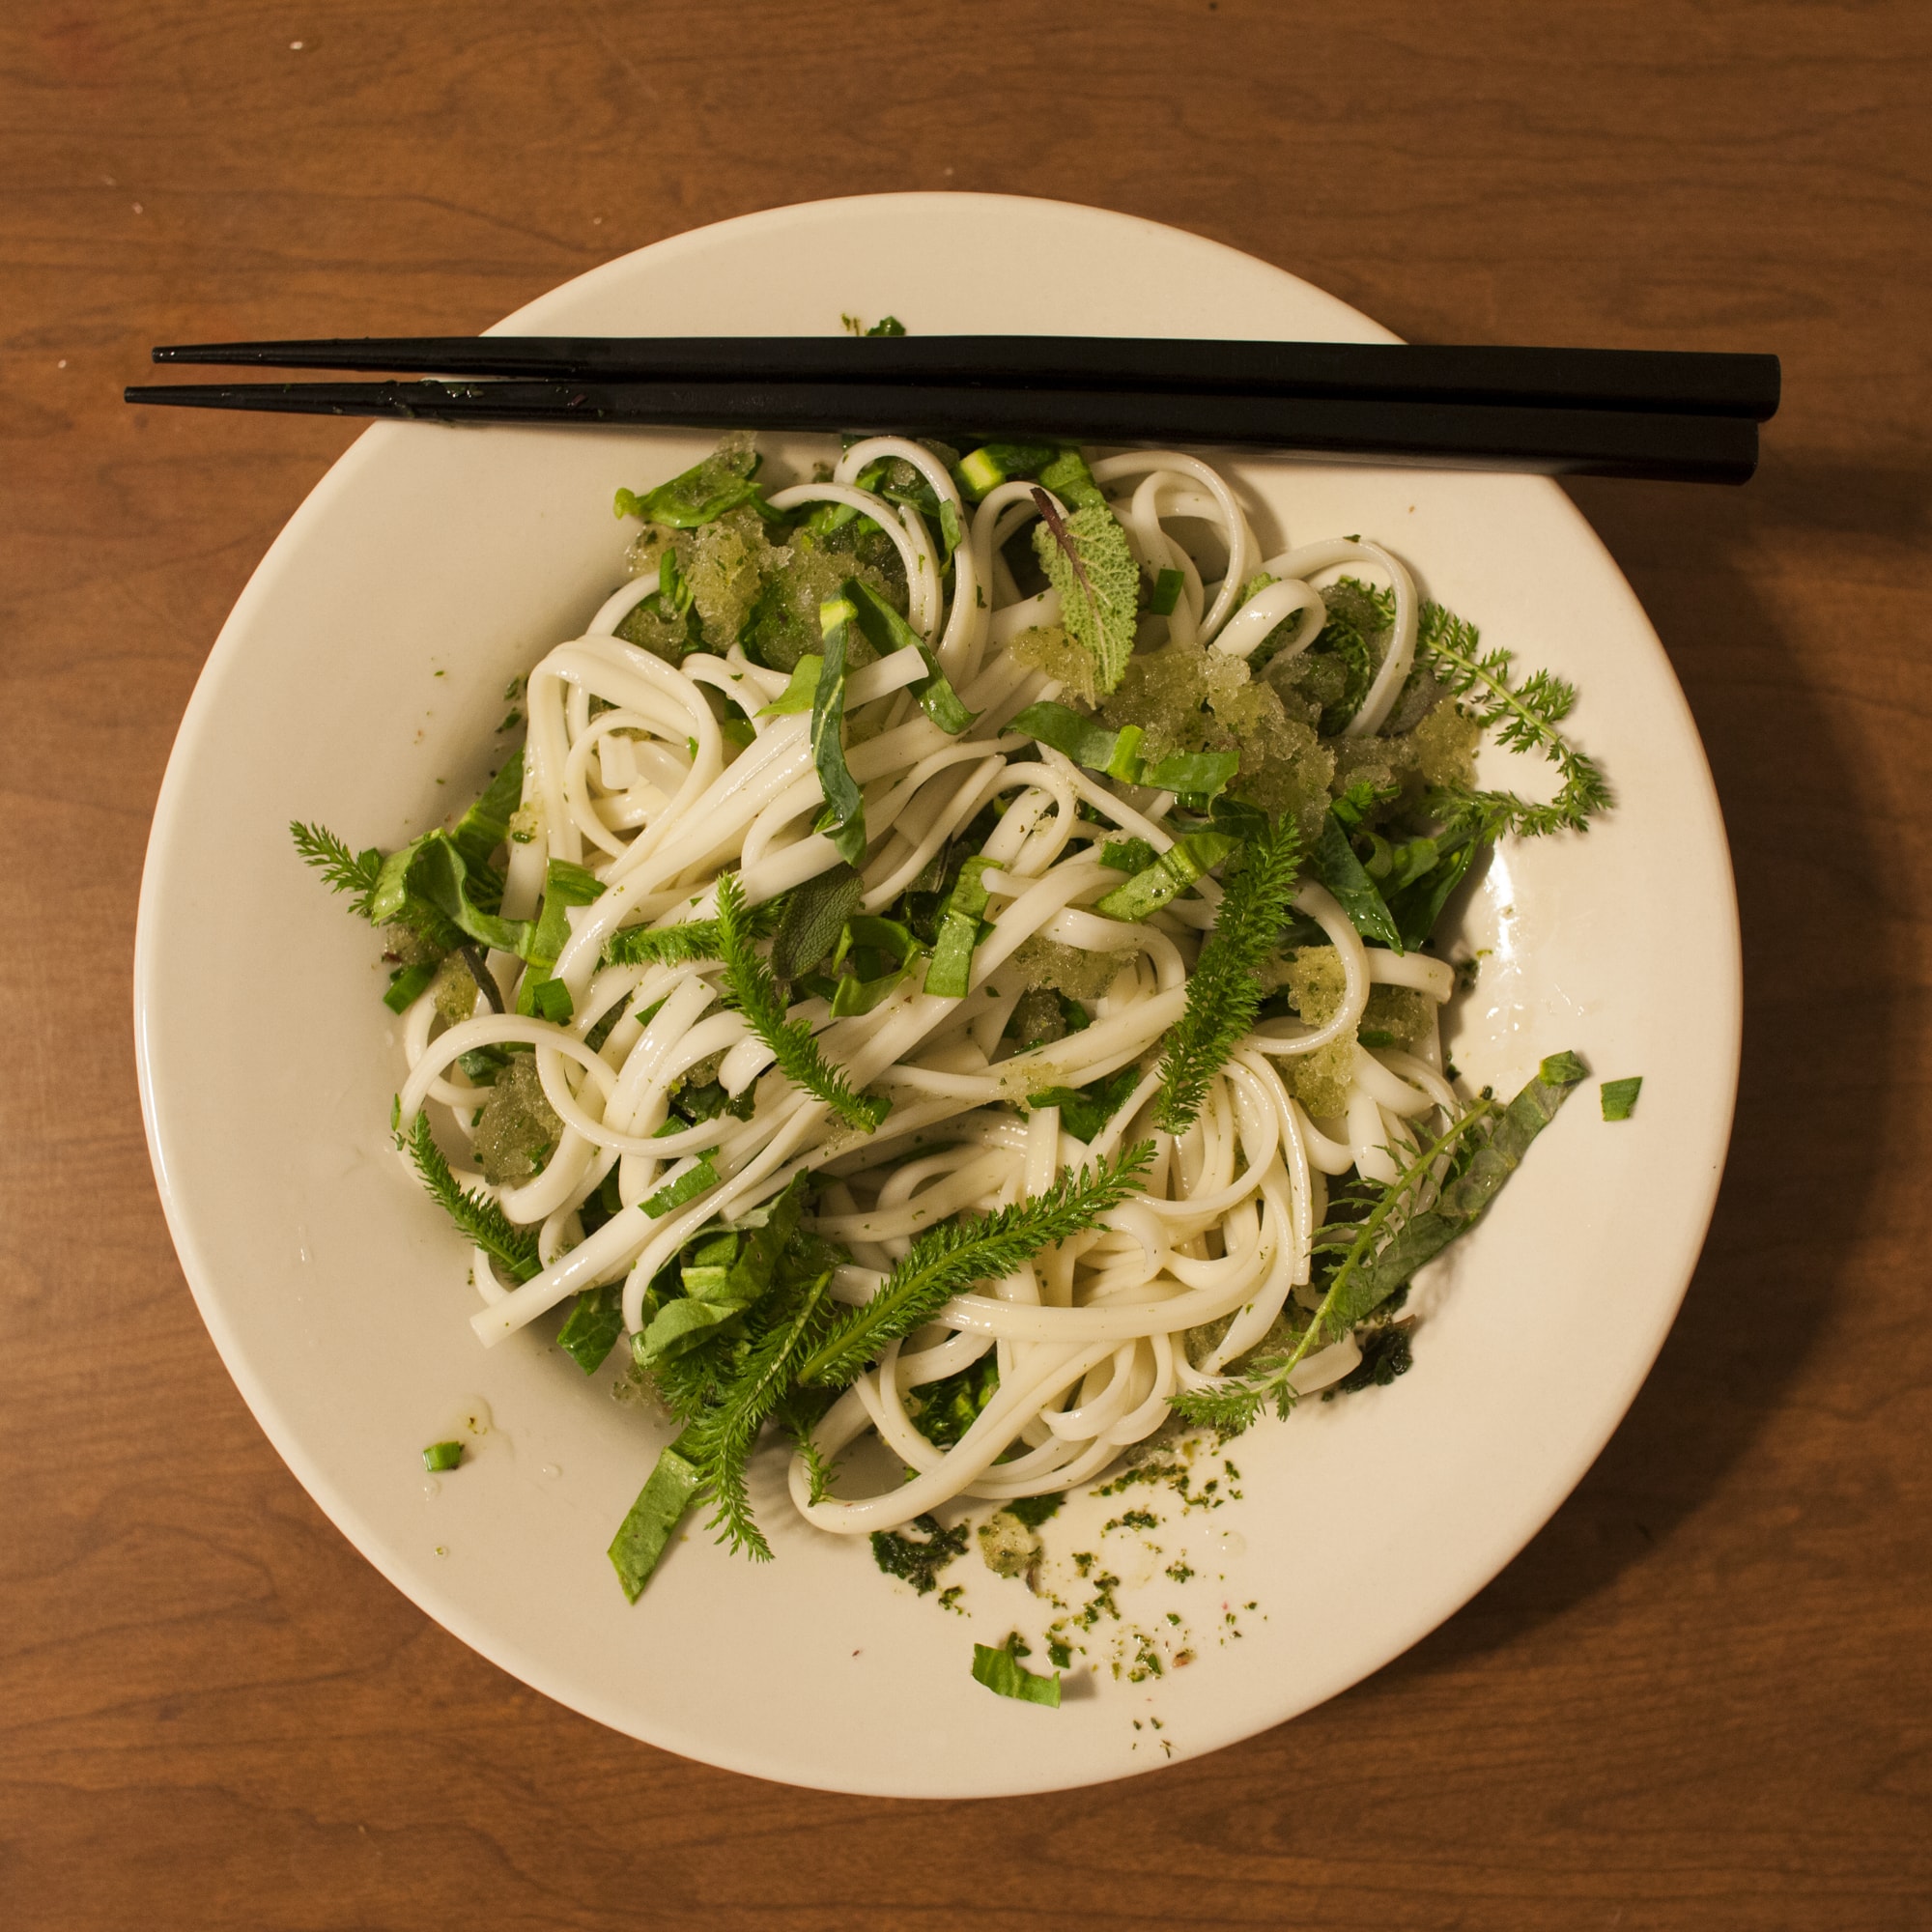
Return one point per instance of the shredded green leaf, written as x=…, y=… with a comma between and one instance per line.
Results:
x=751, y=990
x=1002, y=1673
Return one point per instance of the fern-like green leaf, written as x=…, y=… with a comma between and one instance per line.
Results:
x=478, y=1219
x=1525, y=717
x=696, y=939
x=948, y=1260
x=751, y=988
x=343, y=871
x=721, y=1440
x=1224, y=991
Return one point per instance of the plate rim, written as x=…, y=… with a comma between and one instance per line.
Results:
x=1460, y=1583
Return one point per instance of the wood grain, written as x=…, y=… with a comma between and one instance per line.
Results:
x=1702, y=1697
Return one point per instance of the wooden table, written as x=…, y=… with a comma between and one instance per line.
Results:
x=1702, y=1696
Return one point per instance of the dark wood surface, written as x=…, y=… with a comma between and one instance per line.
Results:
x=1702, y=1696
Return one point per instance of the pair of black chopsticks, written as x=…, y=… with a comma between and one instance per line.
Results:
x=1672, y=415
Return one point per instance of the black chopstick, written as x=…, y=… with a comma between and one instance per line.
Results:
x=1551, y=442
x=1660, y=381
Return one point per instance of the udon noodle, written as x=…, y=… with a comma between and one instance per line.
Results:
x=628, y=775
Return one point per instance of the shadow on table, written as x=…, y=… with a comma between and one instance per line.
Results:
x=1829, y=1007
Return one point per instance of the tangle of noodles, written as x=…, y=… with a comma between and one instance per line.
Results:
x=628, y=773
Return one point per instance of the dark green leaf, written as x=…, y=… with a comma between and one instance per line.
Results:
x=844, y=818
x=1341, y=873
x=596, y=1320
x=886, y=630
x=815, y=917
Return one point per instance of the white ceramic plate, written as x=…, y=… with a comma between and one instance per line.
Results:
x=359, y=681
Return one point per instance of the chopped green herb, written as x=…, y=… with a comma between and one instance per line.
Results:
x=919, y=1560
x=1002, y=1672
x=442, y=1456
x=596, y=1320
x=1166, y=593
x=1619, y=1097
x=687, y=1186
x=673, y=1486
x=1190, y=858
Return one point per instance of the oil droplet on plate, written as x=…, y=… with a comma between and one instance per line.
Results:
x=550, y=1471
x=1232, y=1543
x=431, y=1486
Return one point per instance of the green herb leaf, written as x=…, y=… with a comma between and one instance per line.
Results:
x=1402, y=1230
x=1084, y=1111
x=948, y=1260
x=814, y=919
x=722, y=1439
x=1358, y=896
x=660, y=1506
x=693, y=940
x=886, y=630
x=687, y=1186
x=750, y=989
x=845, y=818
x=1166, y=593
x=478, y=1219
x=407, y=986
x=800, y=692
x=359, y=873
x=1128, y=855
x=1525, y=717
x=701, y=495
x=1087, y=559
x=1194, y=775
x=1190, y=858
x=486, y=824
x=985, y=468
x=1083, y=740
x=1619, y=1097
x=961, y=921
x=1002, y=1673
x=596, y=1320
x=1224, y=992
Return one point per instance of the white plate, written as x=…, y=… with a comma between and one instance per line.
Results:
x=337, y=1297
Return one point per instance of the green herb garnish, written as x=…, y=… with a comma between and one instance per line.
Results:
x=1619, y=1097
x=750, y=988
x=948, y=1260
x=1002, y=1673
x=1224, y=991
